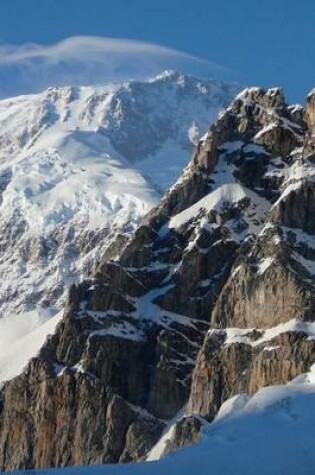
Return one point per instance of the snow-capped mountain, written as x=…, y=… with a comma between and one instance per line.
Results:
x=78, y=165
x=212, y=297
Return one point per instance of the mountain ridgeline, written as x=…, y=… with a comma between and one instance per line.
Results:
x=212, y=295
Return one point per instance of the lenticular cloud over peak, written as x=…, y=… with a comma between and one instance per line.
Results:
x=85, y=60
x=77, y=47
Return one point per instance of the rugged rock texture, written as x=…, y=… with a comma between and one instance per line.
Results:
x=224, y=368
x=186, y=432
x=296, y=209
x=267, y=286
x=212, y=295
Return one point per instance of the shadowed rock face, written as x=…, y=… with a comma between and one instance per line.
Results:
x=186, y=432
x=297, y=208
x=181, y=312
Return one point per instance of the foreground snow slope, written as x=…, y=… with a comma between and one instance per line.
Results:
x=78, y=165
x=24, y=336
x=271, y=433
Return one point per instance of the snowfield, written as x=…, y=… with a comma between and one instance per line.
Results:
x=271, y=433
x=22, y=337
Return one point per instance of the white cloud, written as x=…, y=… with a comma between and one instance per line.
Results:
x=75, y=47
x=87, y=60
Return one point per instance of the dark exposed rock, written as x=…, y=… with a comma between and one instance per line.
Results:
x=251, y=299
x=184, y=194
x=141, y=436
x=297, y=208
x=187, y=432
x=278, y=140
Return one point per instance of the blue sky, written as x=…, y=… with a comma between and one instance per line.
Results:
x=262, y=42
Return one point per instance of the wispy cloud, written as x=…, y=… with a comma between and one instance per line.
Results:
x=86, y=60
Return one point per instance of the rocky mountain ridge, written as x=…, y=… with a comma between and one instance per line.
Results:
x=211, y=296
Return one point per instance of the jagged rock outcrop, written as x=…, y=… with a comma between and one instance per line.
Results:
x=187, y=432
x=267, y=286
x=225, y=368
x=212, y=295
x=296, y=209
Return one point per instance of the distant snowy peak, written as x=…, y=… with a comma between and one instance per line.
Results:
x=136, y=117
x=104, y=150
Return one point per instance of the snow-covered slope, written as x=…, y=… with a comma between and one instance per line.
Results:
x=78, y=165
x=22, y=336
x=271, y=433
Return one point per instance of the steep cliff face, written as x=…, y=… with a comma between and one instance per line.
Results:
x=246, y=361
x=211, y=296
